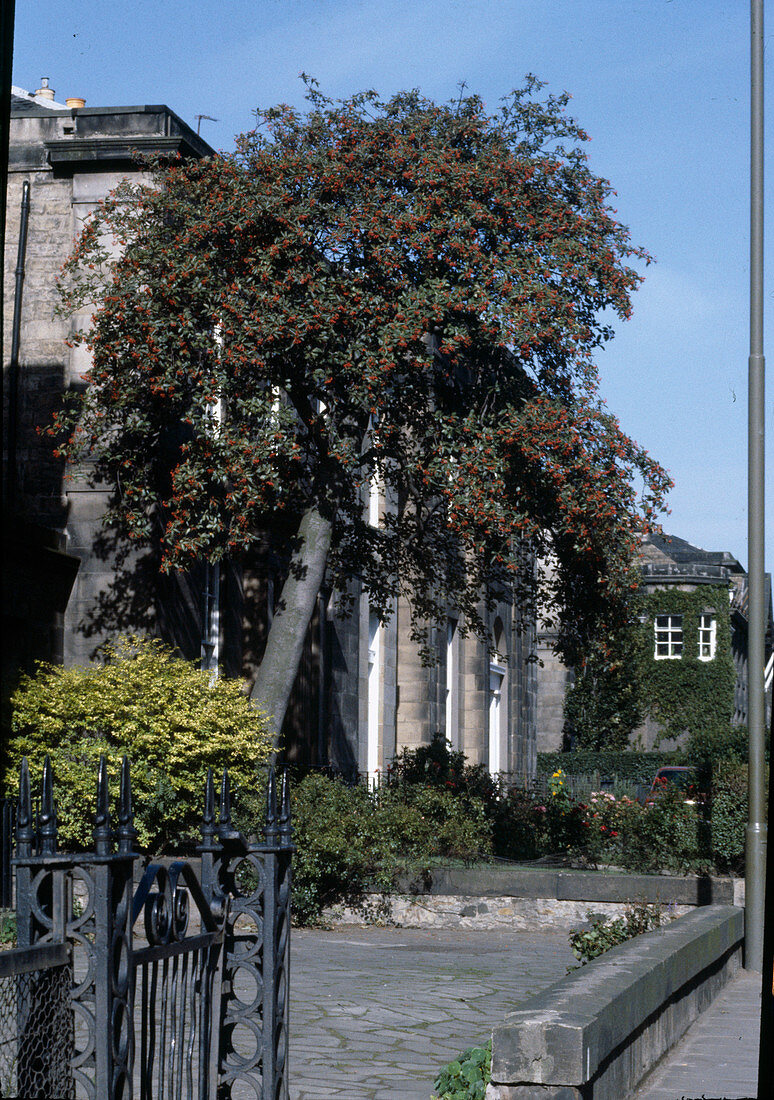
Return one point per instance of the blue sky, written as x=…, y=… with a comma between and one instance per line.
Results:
x=662, y=86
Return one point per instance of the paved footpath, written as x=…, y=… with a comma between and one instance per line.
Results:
x=375, y=1012
x=717, y=1058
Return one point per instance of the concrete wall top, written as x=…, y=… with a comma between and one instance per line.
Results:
x=566, y=1032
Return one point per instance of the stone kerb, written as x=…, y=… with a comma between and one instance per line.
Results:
x=530, y=898
x=596, y=1033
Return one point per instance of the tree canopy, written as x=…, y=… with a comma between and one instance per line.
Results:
x=398, y=293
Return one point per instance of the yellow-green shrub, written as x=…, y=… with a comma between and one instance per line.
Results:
x=163, y=712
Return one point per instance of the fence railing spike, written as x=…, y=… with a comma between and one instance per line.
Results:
x=225, y=800
x=285, y=826
x=208, y=817
x=25, y=830
x=209, y=828
x=125, y=809
x=24, y=816
x=270, y=829
x=47, y=810
x=126, y=829
x=101, y=831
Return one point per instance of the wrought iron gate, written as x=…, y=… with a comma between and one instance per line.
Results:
x=162, y=1009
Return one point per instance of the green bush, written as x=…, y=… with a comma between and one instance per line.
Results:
x=667, y=834
x=438, y=765
x=350, y=840
x=729, y=816
x=518, y=825
x=337, y=852
x=605, y=933
x=718, y=746
x=164, y=713
x=466, y=1077
x=425, y=823
x=602, y=833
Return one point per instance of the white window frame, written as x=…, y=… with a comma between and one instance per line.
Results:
x=451, y=696
x=708, y=637
x=374, y=698
x=668, y=632
x=498, y=709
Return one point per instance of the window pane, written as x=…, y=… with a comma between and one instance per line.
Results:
x=668, y=636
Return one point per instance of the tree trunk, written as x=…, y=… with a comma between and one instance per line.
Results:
x=285, y=644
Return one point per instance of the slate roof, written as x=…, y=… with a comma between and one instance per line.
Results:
x=24, y=102
x=667, y=559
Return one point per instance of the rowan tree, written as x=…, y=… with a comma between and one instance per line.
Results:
x=398, y=292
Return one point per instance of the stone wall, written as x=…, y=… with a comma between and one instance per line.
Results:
x=530, y=899
x=71, y=160
x=476, y=912
x=598, y=1032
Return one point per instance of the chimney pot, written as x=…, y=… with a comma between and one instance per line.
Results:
x=75, y=102
x=44, y=91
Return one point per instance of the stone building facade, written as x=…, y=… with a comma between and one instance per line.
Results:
x=69, y=157
x=667, y=563
x=362, y=692
x=670, y=563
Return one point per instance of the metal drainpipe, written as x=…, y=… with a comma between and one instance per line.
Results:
x=11, y=478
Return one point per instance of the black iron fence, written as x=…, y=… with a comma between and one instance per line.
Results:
x=179, y=983
x=36, y=1026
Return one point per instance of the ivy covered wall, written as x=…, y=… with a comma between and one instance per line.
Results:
x=686, y=695
x=638, y=700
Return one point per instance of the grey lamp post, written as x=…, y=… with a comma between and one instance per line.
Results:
x=755, y=860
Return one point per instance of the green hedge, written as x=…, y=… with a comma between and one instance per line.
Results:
x=626, y=765
x=350, y=840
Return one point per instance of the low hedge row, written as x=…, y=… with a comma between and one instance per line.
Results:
x=625, y=765
x=351, y=840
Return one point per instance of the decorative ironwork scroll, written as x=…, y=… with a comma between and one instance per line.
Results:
x=257, y=880
x=160, y=1008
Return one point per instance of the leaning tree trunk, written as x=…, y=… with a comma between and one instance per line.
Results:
x=285, y=644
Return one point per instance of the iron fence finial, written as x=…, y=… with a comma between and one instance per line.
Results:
x=285, y=827
x=126, y=830
x=208, y=816
x=101, y=831
x=270, y=828
x=47, y=811
x=225, y=801
x=25, y=832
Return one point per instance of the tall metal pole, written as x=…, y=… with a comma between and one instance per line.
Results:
x=755, y=861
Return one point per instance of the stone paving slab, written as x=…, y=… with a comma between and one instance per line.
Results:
x=375, y=1012
x=717, y=1058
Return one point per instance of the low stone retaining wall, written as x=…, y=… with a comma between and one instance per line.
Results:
x=527, y=899
x=460, y=911
x=595, y=1034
